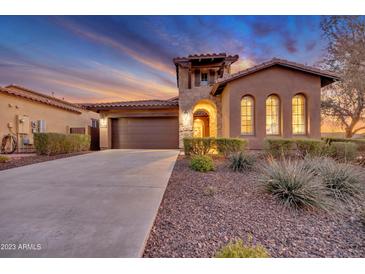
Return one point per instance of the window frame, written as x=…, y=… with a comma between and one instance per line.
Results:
x=253, y=116
x=278, y=113
x=204, y=82
x=305, y=112
x=94, y=123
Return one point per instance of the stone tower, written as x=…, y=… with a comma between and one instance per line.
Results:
x=196, y=75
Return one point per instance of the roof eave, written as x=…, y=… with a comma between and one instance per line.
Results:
x=104, y=108
x=325, y=81
x=11, y=93
x=326, y=78
x=217, y=88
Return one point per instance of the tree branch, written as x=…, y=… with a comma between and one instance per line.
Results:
x=358, y=129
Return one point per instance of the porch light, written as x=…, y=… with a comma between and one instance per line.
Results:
x=103, y=122
x=186, y=118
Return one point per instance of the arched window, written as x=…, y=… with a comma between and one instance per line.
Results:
x=247, y=115
x=272, y=115
x=299, y=114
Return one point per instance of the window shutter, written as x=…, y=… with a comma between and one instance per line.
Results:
x=211, y=76
x=197, y=77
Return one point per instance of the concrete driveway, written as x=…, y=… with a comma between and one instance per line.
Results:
x=101, y=204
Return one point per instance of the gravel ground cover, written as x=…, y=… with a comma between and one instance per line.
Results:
x=28, y=160
x=194, y=222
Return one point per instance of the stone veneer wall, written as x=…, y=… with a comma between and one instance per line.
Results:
x=188, y=98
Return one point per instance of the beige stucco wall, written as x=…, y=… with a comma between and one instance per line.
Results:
x=276, y=80
x=57, y=120
x=225, y=109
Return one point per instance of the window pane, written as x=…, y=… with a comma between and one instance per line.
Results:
x=298, y=114
x=204, y=76
x=272, y=115
x=247, y=115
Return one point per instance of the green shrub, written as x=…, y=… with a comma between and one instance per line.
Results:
x=311, y=147
x=238, y=249
x=284, y=147
x=198, y=146
x=4, y=159
x=242, y=162
x=228, y=146
x=343, y=181
x=48, y=143
x=203, y=146
x=78, y=142
x=342, y=151
x=329, y=140
x=293, y=184
x=57, y=143
x=202, y=163
x=210, y=191
x=359, y=142
x=278, y=146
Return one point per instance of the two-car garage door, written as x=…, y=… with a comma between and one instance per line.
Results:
x=145, y=133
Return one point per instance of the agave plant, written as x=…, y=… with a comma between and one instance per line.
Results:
x=314, y=164
x=343, y=181
x=241, y=162
x=293, y=184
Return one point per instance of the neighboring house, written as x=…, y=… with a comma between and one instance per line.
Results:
x=24, y=112
x=275, y=98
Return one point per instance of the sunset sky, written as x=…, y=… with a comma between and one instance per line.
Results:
x=107, y=58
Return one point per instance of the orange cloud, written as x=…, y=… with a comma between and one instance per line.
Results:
x=132, y=79
x=241, y=64
x=117, y=85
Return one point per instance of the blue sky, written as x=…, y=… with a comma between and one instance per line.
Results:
x=114, y=58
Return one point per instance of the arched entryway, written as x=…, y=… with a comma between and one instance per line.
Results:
x=205, y=119
x=201, y=123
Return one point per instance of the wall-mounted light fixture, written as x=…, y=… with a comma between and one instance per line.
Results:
x=103, y=122
x=186, y=118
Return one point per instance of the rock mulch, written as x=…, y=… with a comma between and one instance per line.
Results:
x=191, y=222
x=28, y=160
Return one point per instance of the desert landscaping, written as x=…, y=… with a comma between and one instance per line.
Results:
x=202, y=212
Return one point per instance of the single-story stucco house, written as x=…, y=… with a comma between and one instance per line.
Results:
x=24, y=112
x=275, y=98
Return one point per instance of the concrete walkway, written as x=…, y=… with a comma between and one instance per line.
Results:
x=101, y=204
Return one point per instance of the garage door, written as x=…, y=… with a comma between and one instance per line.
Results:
x=145, y=133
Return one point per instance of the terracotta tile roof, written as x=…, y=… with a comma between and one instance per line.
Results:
x=39, y=97
x=141, y=104
x=221, y=82
x=175, y=98
x=205, y=56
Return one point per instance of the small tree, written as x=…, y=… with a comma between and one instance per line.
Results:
x=345, y=100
